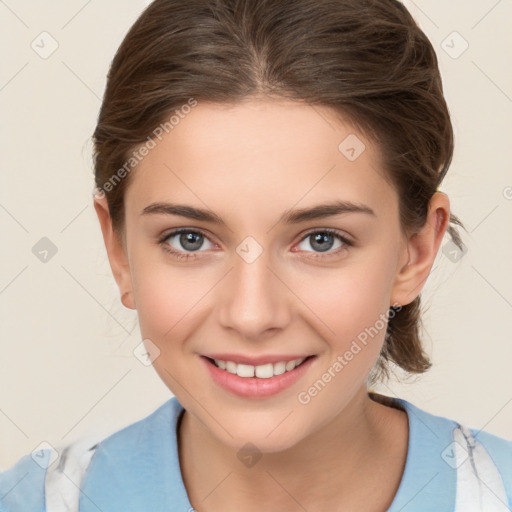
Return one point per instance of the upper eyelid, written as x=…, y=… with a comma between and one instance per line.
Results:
x=332, y=231
x=347, y=239
x=178, y=231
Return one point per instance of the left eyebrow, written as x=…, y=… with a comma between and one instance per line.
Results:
x=324, y=210
x=289, y=216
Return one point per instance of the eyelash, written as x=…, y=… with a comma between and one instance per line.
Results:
x=187, y=256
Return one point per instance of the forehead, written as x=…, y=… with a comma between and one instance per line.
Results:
x=252, y=156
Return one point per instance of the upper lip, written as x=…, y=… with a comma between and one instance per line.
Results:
x=256, y=360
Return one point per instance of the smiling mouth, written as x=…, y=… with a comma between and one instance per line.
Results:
x=263, y=371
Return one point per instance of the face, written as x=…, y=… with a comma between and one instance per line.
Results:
x=259, y=282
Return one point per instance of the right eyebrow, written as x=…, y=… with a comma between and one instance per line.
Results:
x=182, y=210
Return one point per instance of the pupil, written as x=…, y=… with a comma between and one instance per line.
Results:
x=322, y=239
x=191, y=238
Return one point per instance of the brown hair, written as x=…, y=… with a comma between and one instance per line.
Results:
x=365, y=59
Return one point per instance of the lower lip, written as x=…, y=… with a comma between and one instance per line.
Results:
x=254, y=387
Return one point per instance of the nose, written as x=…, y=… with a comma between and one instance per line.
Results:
x=254, y=299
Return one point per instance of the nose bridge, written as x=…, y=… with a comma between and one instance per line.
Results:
x=254, y=298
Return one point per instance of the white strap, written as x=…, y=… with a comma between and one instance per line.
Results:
x=64, y=477
x=480, y=487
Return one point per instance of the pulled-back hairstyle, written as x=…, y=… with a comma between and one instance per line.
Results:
x=365, y=59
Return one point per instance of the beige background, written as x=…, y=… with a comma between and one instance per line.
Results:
x=67, y=369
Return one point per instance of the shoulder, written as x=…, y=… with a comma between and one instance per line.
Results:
x=137, y=468
x=500, y=452
x=50, y=476
x=478, y=464
x=143, y=431
x=22, y=486
x=498, y=448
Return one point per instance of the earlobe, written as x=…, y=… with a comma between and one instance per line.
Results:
x=128, y=301
x=422, y=248
x=116, y=252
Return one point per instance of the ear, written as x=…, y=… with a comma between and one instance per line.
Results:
x=116, y=252
x=422, y=249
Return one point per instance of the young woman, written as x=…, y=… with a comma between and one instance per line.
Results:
x=268, y=182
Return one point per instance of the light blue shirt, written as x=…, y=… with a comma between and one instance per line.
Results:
x=137, y=468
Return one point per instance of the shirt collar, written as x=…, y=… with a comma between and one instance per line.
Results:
x=137, y=468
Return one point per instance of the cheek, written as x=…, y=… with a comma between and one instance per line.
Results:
x=349, y=299
x=167, y=296
x=354, y=305
x=171, y=306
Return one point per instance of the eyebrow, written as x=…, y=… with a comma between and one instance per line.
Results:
x=288, y=217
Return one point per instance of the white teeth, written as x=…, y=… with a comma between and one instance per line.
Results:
x=290, y=365
x=279, y=368
x=263, y=371
x=230, y=366
x=245, y=370
x=220, y=364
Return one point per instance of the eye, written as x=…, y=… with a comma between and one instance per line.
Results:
x=184, y=242
x=181, y=242
x=323, y=241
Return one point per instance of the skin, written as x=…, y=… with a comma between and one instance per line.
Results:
x=249, y=163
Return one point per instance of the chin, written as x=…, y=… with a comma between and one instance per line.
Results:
x=265, y=435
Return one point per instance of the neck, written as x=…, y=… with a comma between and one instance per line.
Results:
x=364, y=446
